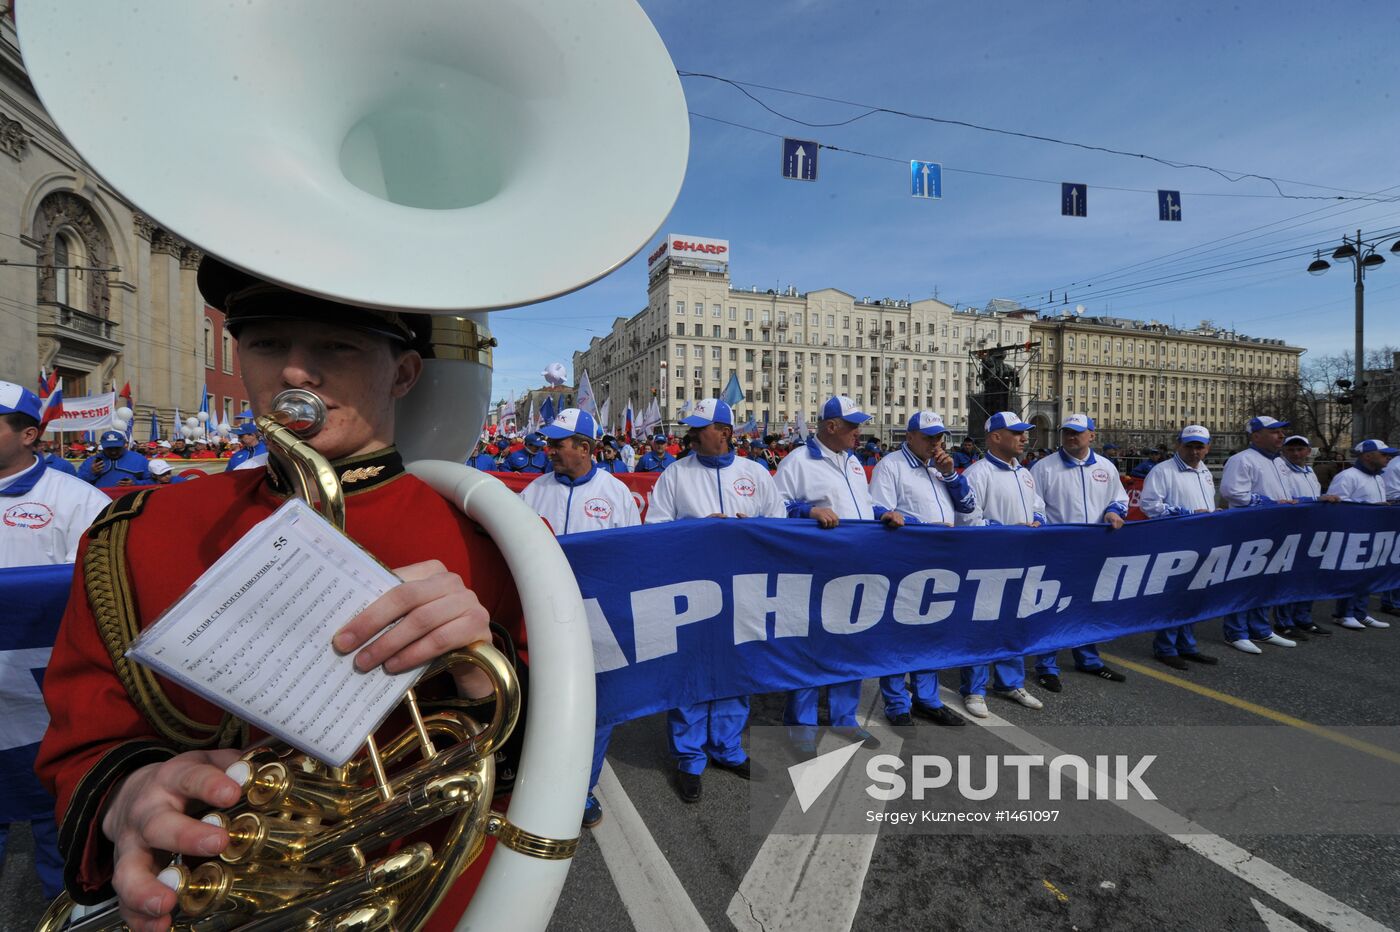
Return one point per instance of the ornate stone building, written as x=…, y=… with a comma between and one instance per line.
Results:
x=88, y=285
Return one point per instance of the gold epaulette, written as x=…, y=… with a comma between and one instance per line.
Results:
x=109, y=593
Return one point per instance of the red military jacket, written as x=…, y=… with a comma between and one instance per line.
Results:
x=138, y=557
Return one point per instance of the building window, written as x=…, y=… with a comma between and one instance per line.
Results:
x=208, y=343
x=699, y=352
x=748, y=313
x=680, y=308
x=680, y=350
x=227, y=348
x=61, y=261
x=716, y=311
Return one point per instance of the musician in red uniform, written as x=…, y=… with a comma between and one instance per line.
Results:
x=127, y=754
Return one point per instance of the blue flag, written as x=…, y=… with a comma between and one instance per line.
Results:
x=733, y=394
x=155, y=427
x=547, y=412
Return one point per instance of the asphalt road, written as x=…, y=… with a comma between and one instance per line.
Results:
x=1267, y=741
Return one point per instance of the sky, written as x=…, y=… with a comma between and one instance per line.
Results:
x=1280, y=89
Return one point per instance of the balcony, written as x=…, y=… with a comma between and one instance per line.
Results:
x=79, y=333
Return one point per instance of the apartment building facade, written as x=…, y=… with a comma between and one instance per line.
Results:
x=1143, y=380
x=790, y=350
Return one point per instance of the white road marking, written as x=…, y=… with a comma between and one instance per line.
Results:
x=1323, y=909
x=810, y=882
x=1273, y=921
x=650, y=889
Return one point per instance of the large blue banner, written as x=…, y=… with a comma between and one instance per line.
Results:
x=703, y=609
x=33, y=598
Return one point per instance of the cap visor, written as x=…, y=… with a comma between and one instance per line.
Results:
x=933, y=431
x=1077, y=429
x=696, y=420
x=554, y=433
x=856, y=417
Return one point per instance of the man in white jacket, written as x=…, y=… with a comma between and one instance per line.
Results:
x=918, y=481
x=1254, y=478
x=1006, y=495
x=1364, y=483
x=712, y=482
x=1176, y=487
x=823, y=481
x=1079, y=488
x=1294, y=620
x=577, y=497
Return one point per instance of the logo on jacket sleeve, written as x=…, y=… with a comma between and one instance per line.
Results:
x=744, y=486
x=598, y=508
x=31, y=515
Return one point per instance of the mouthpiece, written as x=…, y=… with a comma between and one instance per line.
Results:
x=300, y=411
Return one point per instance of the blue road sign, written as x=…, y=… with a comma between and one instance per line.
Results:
x=925, y=179
x=1074, y=200
x=800, y=159
x=1168, y=205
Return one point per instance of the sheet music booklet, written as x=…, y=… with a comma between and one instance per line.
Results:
x=253, y=635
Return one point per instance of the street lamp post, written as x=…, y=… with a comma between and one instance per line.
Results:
x=1362, y=255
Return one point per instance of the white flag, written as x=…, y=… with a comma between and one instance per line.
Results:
x=802, y=424
x=584, y=396
x=605, y=416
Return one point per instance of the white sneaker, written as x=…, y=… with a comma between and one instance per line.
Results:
x=1020, y=695
x=1351, y=623
x=1370, y=622
x=1278, y=640
x=1246, y=645
x=976, y=705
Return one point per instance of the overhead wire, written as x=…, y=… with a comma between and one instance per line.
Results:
x=1230, y=175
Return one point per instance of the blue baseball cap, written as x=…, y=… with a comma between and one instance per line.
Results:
x=709, y=411
x=1374, y=446
x=246, y=429
x=1078, y=423
x=1006, y=420
x=1264, y=422
x=534, y=440
x=16, y=399
x=1194, y=433
x=927, y=423
x=845, y=408
x=112, y=438
x=659, y=438
x=572, y=421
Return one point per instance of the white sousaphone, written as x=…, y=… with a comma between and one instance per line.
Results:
x=440, y=156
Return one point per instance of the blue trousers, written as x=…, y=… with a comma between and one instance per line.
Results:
x=1294, y=614
x=600, y=750
x=1390, y=599
x=47, y=861
x=1250, y=623
x=897, y=702
x=842, y=699
x=1009, y=674
x=1171, y=642
x=1354, y=607
x=1085, y=658
x=708, y=730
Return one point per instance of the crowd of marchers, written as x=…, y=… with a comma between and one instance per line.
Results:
x=835, y=475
